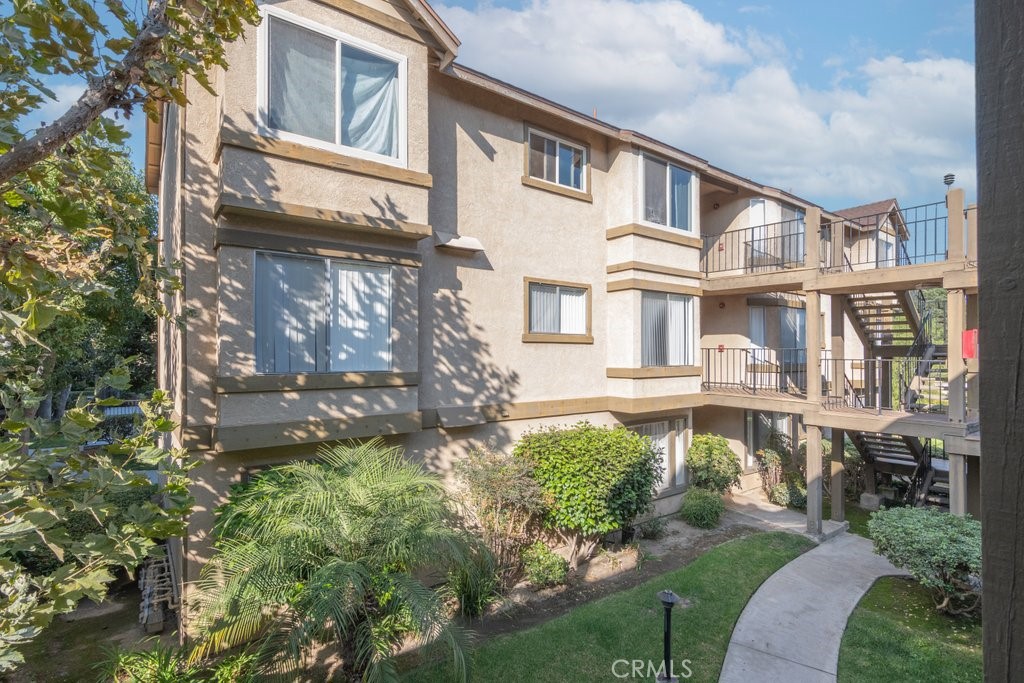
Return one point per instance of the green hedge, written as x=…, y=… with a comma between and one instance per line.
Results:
x=712, y=464
x=702, y=508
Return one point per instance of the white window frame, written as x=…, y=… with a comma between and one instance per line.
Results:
x=585, y=152
x=329, y=304
x=642, y=194
x=263, y=88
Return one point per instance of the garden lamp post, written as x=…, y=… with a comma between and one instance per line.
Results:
x=668, y=601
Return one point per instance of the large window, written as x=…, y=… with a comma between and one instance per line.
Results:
x=321, y=87
x=669, y=437
x=320, y=315
x=557, y=309
x=666, y=322
x=557, y=161
x=668, y=194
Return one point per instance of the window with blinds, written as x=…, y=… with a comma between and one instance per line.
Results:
x=666, y=322
x=320, y=315
x=557, y=309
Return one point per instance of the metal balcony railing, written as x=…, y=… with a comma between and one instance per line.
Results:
x=758, y=249
x=754, y=370
x=910, y=384
x=902, y=237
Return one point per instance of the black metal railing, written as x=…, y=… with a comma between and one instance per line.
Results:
x=909, y=384
x=755, y=369
x=757, y=249
x=900, y=237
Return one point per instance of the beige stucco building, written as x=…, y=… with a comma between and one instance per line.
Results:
x=375, y=240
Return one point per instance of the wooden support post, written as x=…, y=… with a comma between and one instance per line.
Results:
x=813, y=317
x=957, y=484
x=869, y=479
x=813, y=469
x=972, y=233
x=956, y=247
x=999, y=26
x=837, y=477
x=957, y=368
x=812, y=226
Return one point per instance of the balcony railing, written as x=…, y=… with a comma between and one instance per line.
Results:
x=912, y=384
x=755, y=370
x=759, y=249
x=901, y=237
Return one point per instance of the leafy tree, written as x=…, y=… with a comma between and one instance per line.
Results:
x=67, y=233
x=332, y=552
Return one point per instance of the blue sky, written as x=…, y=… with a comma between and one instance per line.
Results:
x=841, y=103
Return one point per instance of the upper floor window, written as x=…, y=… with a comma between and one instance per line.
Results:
x=321, y=315
x=666, y=329
x=557, y=161
x=557, y=311
x=323, y=88
x=668, y=194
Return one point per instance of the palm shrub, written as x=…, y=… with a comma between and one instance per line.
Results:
x=597, y=479
x=712, y=464
x=330, y=552
x=940, y=550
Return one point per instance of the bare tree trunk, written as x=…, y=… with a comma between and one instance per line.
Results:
x=45, y=410
x=112, y=90
x=61, y=404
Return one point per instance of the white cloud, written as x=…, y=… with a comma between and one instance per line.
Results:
x=883, y=127
x=67, y=94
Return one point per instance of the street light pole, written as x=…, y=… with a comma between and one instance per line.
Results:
x=668, y=601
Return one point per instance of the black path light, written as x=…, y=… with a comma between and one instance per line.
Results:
x=668, y=601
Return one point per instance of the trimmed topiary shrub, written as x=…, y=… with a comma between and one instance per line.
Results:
x=712, y=464
x=702, y=508
x=543, y=566
x=940, y=550
x=597, y=479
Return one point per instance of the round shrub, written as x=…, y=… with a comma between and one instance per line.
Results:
x=702, y=508
x=543, y=566
x=940, y=550
x=788, y=494
x=712, y=463
x=597, y=479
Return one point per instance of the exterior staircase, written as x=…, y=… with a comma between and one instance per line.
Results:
x=906, y=458
x=885, y=318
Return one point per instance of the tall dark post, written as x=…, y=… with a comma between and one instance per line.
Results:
x=999, y=30
x=668, y=601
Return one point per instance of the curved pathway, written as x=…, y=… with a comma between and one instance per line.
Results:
x=793, y=625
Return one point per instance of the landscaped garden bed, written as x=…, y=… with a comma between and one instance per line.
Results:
x=585, y=643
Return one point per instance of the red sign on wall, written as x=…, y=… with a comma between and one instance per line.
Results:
x=970, y=344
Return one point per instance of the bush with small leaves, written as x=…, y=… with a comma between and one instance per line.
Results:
x=788, y=494
x=702, y=508
x=652, y=529
x=940, y=550
x=712, y=464
x=543, y=566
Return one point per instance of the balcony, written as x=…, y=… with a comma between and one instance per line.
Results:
x=897, y=237
x=758, y=249
x=755, y=371
x=917, y=384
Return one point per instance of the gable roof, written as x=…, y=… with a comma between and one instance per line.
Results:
x=870, y=209
x=445, y=37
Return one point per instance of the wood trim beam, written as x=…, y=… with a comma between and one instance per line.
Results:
x=670, y=235
x=644, y=267
x=233, y=137
x=379, y=19
x=652, y=286
x=315, y=382
x=557, y=189
x=655, y=373
x=251, y=437
x=294, y=244
x=258, y=207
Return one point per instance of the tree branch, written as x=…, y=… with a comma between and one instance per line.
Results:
x=107, y=92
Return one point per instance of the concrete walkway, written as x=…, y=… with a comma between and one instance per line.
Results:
x=793, y=625
x=754, y=504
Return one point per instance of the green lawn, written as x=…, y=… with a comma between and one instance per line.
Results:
x=855, y=515
x=584, y=644
x=895, y=634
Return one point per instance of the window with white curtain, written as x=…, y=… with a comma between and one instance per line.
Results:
x=666, y=329
x=556, y=161
x=321, y=315
x=667, y=194
x=323, y=87
x=557, y=309
x=658, y=433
